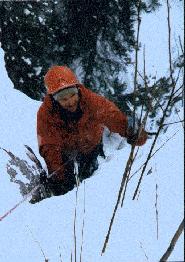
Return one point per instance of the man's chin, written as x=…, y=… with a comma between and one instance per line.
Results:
x=72, y=109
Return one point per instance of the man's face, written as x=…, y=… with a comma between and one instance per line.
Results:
x=69, y=102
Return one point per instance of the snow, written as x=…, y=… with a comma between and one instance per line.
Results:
x=27, y=12
x=50, y=222
x=154, y=38
x=41, y=20
x=27, y=60
x=37, y=70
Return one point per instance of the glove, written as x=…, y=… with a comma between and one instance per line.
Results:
x=61, y=186
x=44, y=182
x=133, y=135
x=132, y=129
x=43, y=178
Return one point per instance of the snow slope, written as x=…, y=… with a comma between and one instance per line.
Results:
x=51, y=221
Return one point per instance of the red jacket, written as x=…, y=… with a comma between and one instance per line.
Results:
x=55, y=137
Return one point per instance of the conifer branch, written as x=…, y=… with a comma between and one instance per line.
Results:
x=153, y=95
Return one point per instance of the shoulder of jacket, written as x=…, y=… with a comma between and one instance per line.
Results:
x=45, y=107
x=90, y=96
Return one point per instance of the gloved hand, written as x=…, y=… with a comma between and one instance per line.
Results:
x=44, y=182
x=135, y=136
x=43, y=178
x=132, y=129
x=61, y=186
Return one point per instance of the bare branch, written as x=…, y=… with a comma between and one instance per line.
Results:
x=141, y=246
x=38, y=243
x=180, y=42
x=156, y=210
x=129, y=161
x=83, y=224
x=118, y=199
x=75, y=216
x=127, y=178
x=155, y=153
x=167, y=124
x=60, y=256
x=173, y=242
x=167, y=106
x=169, y=40
x=136, y=55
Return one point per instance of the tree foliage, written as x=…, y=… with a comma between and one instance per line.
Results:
x=95, y=38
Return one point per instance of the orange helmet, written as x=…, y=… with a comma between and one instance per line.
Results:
x=59, y=77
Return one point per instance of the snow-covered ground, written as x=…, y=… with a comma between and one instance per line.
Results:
x=50, y=222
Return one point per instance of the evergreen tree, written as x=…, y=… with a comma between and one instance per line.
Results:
x=94, y=38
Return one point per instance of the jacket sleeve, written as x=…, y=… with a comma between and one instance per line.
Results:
x=110, y=115
x=48, y=148
x=53, y=158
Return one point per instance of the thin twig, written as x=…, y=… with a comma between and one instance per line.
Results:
x=127, y=176
x=178, y=89
x=173, y=242
x=180, y=42
x=178, y=76
x=156, y=210
x=167, y=124
x=83, y=225
x=127, y=179
x=118, y=199
x=19, y=203
x=179, y=118
x=75, y=215
x=180, y=94
x=136, y=55
x=154, y=154
x=169, y=40
x=147, y=160
x=183, y=74
x=166, y=109
x=141, y=246
x=60, y=255
x=153, y=95
x=38, y=243
x=129, y=161
x=140, y=129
